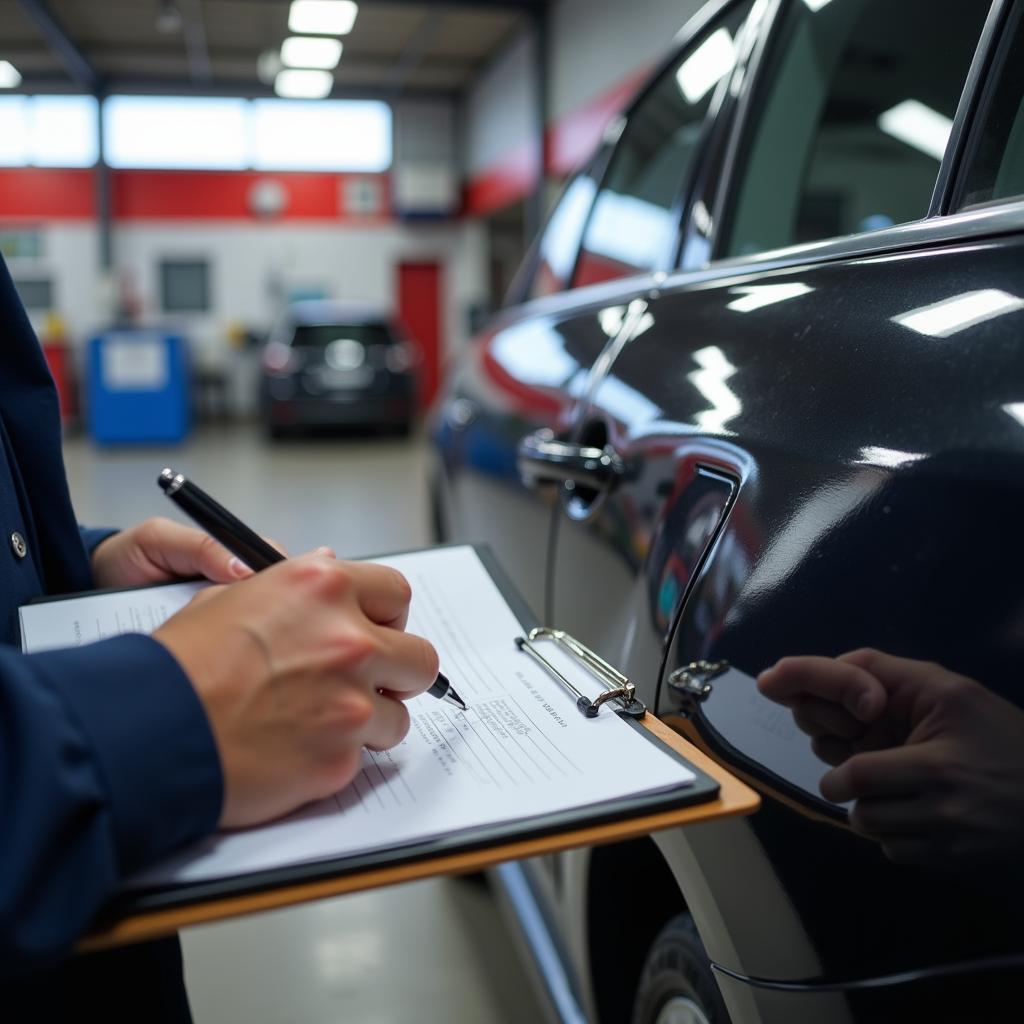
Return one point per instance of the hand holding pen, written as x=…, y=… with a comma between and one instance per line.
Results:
x=248, y=546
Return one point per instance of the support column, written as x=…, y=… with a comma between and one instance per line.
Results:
x=536, y=205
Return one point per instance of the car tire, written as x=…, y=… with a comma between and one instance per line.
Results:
x=677, y=985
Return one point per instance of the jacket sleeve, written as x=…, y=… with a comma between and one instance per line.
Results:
x=93, y=535
x=107, y=763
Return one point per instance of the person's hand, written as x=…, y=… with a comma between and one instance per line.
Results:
x=933, y=761
x=159, y=550
x=299, y=668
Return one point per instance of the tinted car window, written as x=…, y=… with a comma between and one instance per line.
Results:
x=322, y=335
x=632, y=228
x=996, y=169
x=853, y=117
x=556, y=251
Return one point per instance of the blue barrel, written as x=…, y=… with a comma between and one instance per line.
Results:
x=137, y=387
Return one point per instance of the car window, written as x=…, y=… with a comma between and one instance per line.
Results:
x=851, y=120
x=996, y=167
x=560, y=241
x=634, y=222
x=324, y=335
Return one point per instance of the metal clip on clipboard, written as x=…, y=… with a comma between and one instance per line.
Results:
x=621, y=689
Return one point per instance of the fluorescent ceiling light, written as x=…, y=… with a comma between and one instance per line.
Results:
x=918, y=126
x=9, y=77
x=941, y=319
x=311, y=52
x=1016, y=410
x=322, y=17
x=710, y=381
x=757, y=295
x=816, y=5
x=303, y=85
x=875, y=455
x=706, y=66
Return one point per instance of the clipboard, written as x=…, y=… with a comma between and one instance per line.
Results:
x=140, y=915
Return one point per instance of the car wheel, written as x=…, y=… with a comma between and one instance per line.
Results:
x=677, y=985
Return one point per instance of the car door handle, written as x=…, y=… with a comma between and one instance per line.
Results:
x=542, y=459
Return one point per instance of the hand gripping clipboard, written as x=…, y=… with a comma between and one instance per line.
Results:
x=140, y=915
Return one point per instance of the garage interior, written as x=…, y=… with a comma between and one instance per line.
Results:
x=210, y=255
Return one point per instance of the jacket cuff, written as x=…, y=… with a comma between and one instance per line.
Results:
x=151, y=739
x=93, y=536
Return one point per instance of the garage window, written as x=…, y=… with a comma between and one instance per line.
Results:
x=852, y=120
x=185, y=286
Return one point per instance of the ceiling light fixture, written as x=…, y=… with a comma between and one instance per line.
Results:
x=322, y=17
x=917, y=125
x=168, y=18
x=311, y=52
x=303, y=85
x=706, y=66
x=9, y=77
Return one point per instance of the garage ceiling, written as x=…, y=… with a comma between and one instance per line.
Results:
x=395, y=48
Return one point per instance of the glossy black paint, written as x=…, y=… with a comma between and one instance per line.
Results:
x=806, y=476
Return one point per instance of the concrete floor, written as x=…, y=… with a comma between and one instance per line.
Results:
x=427, y=953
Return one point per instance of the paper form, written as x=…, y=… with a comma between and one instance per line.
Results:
x=83, y=620
x=521, y=750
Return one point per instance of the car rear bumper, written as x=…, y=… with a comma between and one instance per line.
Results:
x=346, y=411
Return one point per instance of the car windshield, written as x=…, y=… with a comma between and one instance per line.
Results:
x=320, y=336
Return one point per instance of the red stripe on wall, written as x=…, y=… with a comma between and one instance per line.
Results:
x=34, y=192
x=571, y=141
x=509, y=180
x=155, y=195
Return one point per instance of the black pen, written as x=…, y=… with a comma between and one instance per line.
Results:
x=249, y=546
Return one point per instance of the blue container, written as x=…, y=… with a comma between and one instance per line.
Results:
x=137, y=387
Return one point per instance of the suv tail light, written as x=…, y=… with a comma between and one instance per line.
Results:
x=279, y=360
x=402, y=357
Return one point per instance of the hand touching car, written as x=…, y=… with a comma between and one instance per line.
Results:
x=933, y=761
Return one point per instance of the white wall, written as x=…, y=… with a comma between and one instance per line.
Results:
x=253, y=266
x=500, y=110
x=595, y=45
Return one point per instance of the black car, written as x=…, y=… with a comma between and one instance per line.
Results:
x=335, y=364
x=759, y=391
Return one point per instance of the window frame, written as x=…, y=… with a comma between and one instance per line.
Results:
x=986, y=85
x=931, y=225
x=713, y=126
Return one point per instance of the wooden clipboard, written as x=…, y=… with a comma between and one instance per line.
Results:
x=717, y=794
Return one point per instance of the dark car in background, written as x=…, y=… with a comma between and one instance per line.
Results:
x=334, y=364
x=759, y=391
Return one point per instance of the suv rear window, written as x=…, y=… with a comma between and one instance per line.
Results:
x=851, y=122
x=322, y=335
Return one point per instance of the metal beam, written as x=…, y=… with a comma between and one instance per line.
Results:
x=536, y=204
x=75, y=62
x=195, y=41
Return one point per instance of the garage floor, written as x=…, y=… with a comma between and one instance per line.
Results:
x=430, y=953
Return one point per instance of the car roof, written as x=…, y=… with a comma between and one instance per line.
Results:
x=332, y=311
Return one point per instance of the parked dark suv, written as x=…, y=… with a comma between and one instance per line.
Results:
x=337, y=364
x=759, y=391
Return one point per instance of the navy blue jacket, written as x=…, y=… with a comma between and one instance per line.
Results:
x=107, y=761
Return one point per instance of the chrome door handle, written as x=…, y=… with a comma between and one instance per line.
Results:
x=541, y=459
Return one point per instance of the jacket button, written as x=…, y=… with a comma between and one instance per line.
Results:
x=18, y=545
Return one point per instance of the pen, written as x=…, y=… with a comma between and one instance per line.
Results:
x=249, y=546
